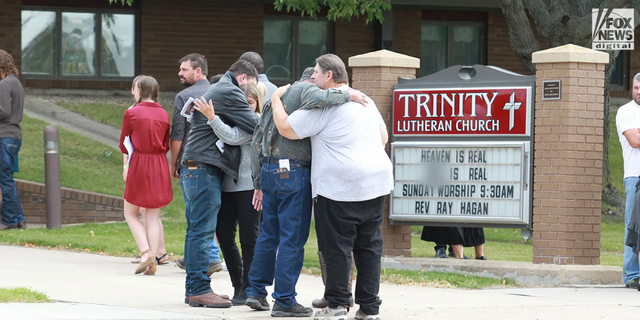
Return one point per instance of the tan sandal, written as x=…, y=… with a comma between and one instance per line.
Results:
x=151, y=270
x=151, y=258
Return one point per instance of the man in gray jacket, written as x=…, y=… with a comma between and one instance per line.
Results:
x=11, y=107
x=205, y=159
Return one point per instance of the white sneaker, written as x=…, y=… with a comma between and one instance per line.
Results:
x=361, y=316
x=327, y=313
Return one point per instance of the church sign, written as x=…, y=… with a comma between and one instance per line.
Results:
x=462, y=149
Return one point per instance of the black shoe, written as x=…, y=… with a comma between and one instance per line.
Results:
x=239, y=297
x=481, y=258
x=256, y=303
x=297, y=310
x=441, y=253
x=451, y=255
x=180, y=263
x=633, y=284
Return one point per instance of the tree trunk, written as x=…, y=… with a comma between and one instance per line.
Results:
x=610, y=195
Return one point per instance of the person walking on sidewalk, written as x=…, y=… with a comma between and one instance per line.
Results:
x=628, y=125
x=205, y=160
x=148, y=184
x=161, y=255
x=11, y=109
x=351, y=174
x=193, y=75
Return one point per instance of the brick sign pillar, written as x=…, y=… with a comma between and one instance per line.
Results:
x=568, y=155
x=375, y=74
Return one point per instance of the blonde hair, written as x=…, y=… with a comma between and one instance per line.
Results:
x=256, y=92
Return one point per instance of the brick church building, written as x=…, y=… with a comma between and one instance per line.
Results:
x=76, y=44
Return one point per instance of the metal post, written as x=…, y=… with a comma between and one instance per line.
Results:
x=52, y=177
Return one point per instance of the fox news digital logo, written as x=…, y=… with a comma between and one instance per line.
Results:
x=612, y=29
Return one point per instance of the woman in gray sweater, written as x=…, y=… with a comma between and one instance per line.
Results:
x=237, y=209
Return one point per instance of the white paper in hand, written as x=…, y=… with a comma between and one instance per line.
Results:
x=187, y=109
x=129, y=147
x=220, y=145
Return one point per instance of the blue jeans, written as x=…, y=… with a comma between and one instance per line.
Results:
x=214, y=249
x=629, y=259
x=202, y=190
x=11, y=209
x=286, y=213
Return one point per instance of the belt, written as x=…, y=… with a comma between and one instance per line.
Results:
x=292, y=162
x=191, y=164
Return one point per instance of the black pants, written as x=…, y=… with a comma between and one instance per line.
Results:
x=343, y=227
x=236, y=209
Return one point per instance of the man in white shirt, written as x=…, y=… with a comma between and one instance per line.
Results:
x=350, y=176
x=628, y=124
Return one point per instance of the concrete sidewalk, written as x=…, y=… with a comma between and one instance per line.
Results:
x=90, y=286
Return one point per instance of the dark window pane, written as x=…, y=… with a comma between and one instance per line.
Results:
x=618, y=69
x=78, y=43
x=434, y=48
x=278, y=49
x=313, y=42
x=38, y=54
x=466, y=45
x=118, y=45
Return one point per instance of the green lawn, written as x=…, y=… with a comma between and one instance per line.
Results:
x=108, y=114
x=508, y=244
x=85, y=164
x=615, y=155
x=21, y=295
x=104, y=113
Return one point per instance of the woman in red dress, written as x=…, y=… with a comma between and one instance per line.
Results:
x=148, y=184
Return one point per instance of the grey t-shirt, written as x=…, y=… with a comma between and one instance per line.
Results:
x=11, y=107
x=348, y=159
x=180, y=127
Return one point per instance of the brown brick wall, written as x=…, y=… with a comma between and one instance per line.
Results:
x=377, y=83
x=568, y=165
x=407, y=32
x=353, y=38
x=77, y=206
x=10, y=22
x=171, y=29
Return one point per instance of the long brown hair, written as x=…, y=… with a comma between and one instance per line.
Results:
x=149, y=88
x=133, y=84
x=7, y=66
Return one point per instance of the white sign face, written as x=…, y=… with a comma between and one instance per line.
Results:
x=461, y=182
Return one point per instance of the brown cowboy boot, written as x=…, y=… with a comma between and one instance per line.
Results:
x=322, y=302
